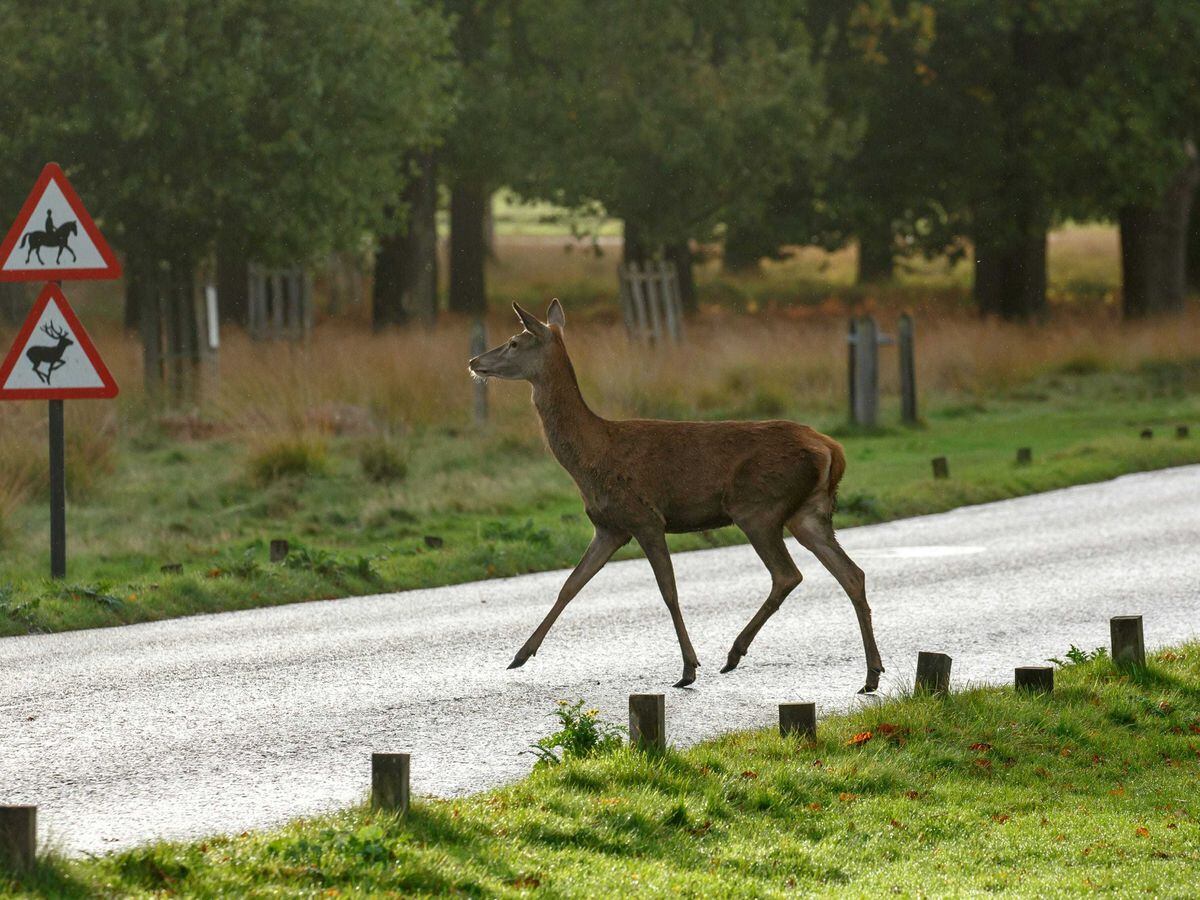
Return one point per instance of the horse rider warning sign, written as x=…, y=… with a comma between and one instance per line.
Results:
x=54, y=238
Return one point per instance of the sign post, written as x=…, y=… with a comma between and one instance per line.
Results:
x=54, y=239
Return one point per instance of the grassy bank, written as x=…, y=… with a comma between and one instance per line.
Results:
x=367, y=513
x=1091, y=788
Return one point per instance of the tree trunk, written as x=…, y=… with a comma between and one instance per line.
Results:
x=680, y=253
x=233, y=283
x=468, y=249
x=633, y=249
x=423, y=244
x=387, y=289
x=1193, y=250
x=876, y=253
x=1010, y=273
x=143, y=280
x=743, y=250
x=1154, y=249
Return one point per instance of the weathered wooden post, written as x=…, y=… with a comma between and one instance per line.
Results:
x=866, y=373
x=1037, y=679
x=18, y=838
x=1181, y=431
x=1024, y=456
x=279, y=550
x=479, y=346
x=933, y=672
x=941, y=467
x=648, y=721
x=852, y=368
x=389, y=781
x=908, y=370
x=1147, y=433
x=171, y=568
x=1128, y=645
x=799, y=719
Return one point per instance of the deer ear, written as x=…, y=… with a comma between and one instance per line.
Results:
x=530, y=321
x=555, y=315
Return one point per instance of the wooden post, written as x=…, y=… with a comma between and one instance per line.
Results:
x=933, y=672
x=866, y=373
x=171, y=569
x=648, y=721
x=941, y=467
x=1181, y=431
x=799, y=719
x=652, y=285
x=1024, y=456
x=18, y=838
x=279, y=550
x=852, y=343
x=1038, y=679
x=479, y=346
x=908, y=371
x=627, y=313
x=1128, y=645
x=638, y=292
x=1147, y=433
x=389, y=781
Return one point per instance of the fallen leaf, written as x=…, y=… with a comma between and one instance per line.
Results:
x=1142, y=831
x=912, y=795
x=817, y=764
x=981, y=747
x=1118, y=792
x=859, y=739
x=896, y=824
x=983, y=763
x=815, y=807
x=885, y=728
x=1000, y=818
x=748, y=774
x=847, y=797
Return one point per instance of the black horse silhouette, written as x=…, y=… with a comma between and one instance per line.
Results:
x=55, y=237
x=51, y=356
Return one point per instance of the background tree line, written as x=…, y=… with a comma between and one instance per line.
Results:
x=279, y=131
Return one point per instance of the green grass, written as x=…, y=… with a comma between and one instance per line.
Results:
x=448, y=506
x=1094, y=787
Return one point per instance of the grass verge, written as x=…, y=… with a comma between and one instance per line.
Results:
x=1091, y=788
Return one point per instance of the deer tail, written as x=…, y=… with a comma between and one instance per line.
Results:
x=837, y=468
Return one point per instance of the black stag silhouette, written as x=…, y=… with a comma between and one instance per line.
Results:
x=51, y=237
x=50, y=356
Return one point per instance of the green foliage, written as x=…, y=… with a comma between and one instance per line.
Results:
x=581, y=734
x=522, y=533
x=295, y=457
x=1077, y=657
x=331, y=566
x=382, y=461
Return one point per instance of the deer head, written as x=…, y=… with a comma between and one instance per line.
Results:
x=57, y=334
x=524, y=355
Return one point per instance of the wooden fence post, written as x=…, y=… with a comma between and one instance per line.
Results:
x=933, y=672
x=1038, y=679
x=908, y=371
x=18, y=838
x=1024, y=456
x=279, y=550
x=1128, y=645
x=866, y=373
x=798, y=719
x=478, y=347
x=648, y=721
x=1181, y=431
x=941, y=467
x=389, y=781
x=852, y=368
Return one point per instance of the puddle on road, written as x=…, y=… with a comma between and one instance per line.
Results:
x=928, y=552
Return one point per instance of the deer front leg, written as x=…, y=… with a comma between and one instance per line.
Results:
x=654, y=545
x=605, y=543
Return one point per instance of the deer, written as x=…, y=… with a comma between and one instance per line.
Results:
x=641, y=479
x=51, y=356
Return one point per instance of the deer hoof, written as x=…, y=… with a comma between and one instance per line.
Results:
x=735, y=657
x=872, y=680
x=519, y=660
x=689, y=675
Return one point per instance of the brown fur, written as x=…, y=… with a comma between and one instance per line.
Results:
x=644, y=478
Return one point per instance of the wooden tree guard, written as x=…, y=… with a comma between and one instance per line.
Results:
x=280, y=304
x=1037, y=679
x=650, y=301
x=933, y=672
x=648, y=721
x=389, y=781
x=18, y=838
x=864, y=341
x=1128, y=643
x=908, y=370
x=799, y=719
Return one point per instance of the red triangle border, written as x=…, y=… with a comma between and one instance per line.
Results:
x=108, y=388
x=53, y=172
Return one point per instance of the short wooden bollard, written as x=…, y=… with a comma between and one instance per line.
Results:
x=279, y=550
x=1128, y=645
x=648, y=721
x=1024, y=456
x=1036, y=679
x=799, y=719
x=171, y=569
x=1147, y=433
x=941, y=467
x=18, y=838
x=1181, y=431
x=389, y=781
x=933, y=672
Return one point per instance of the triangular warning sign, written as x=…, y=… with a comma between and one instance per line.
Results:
x=53, y=358
x=54, y=238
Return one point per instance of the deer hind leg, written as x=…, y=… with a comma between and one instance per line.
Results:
x=767, y=541
x=814, y=530
x=604, y=544
x=654, y=545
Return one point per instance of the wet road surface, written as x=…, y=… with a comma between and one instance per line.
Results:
x=240, y=720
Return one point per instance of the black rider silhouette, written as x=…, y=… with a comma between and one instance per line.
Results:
x=49, y=221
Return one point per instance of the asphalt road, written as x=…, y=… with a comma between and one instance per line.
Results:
x=235, y=721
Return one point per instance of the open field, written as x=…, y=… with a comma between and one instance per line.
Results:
x=359, y=447
x=1091, y=788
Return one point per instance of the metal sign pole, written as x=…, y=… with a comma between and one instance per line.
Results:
x=58, y=493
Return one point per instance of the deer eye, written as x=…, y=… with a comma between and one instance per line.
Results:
x=513, y=344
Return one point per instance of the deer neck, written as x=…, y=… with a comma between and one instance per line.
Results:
x=576, y=435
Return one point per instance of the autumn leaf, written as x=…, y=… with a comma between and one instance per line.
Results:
x=1142, y=831
x=912, y=795
x=1000, y=818
x=896, y=824
x=981, y=747
x=847, y=797
x=859, y=739
x=983, y=763
x=1118, y=792
x=885, y=728
x=815, y=807
x=749, y=775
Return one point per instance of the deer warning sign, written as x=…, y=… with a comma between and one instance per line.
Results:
x=54, y=238
x=53, y=358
